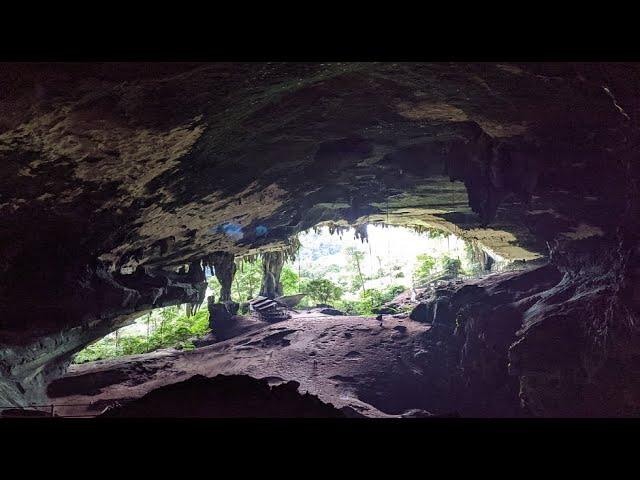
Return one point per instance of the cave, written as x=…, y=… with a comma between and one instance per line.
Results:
x=130, y=188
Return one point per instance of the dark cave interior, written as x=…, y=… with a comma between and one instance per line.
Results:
x=122, y=184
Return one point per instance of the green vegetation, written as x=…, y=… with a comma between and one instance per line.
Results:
x=370, y=300
x=246, y=282
x=355, y=260
x=168, y=327
x=345, y=276
x=322, y=291
x=248, y=279
x=290, y=281
x=451, y=266
x=428, y=269
x=423, y=269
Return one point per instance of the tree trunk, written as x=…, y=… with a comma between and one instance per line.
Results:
x=359, y=272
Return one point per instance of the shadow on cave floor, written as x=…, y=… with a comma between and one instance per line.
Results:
x=338, y=358
x=388, y=366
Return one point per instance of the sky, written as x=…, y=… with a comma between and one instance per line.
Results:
x=386, y=247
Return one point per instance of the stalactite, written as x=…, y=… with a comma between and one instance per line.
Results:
x=191, y=309
x=361, y=232
x=292, y=246
x=208, y=263
x=479, y=256
x=335, y=228
x=250, y=258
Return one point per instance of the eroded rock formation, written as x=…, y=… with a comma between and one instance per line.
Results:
x=224, y=268
x=272, y=263
x=115, y=177
x=108, y=301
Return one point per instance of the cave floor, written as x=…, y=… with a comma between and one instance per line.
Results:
x=375, y=367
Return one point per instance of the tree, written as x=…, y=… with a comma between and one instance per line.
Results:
x=451, y=266
x=323, y=290
x=290, y=281
x=371, y=300
x=355, y=258
x=423, y=269
x=248, y=279
x=436, y=233
x=176, y=330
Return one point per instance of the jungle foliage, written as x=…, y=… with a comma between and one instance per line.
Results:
x=343, y=284
x=168, y=327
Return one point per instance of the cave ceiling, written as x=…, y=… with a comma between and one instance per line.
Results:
x=151, y=163
x=114, y=176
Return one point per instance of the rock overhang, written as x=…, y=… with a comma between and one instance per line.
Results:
x=157, y=166
x=114, y=175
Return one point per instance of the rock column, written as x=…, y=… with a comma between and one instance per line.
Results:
x=225, y=270
x=272, y=263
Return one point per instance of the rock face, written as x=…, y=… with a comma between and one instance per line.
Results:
x=105, y=302
x=577, y=353
x=220, y=314
x=118, y=181
x=421, y=313
x=374, y=368
x=473, y=325
x=330, y=311
x=461, y=365
x=225, y=323
x=528, y=338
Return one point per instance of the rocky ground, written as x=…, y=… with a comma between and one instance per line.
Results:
x=375, y=367
x=459, y=351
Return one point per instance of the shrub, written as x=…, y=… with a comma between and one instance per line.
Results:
x=423, y=268
x=452, y=266
x=322, y=290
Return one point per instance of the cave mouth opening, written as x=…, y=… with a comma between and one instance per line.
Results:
x=334, y=269
x=358, y=268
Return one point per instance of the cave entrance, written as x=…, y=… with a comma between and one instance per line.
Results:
x=175, y=326
x=330, y=269
x=357, y=270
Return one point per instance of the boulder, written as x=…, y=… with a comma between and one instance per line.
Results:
x=442, y=312
x=421, y=313
x=208, y=339
x=221, y=313
x=290, y=300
